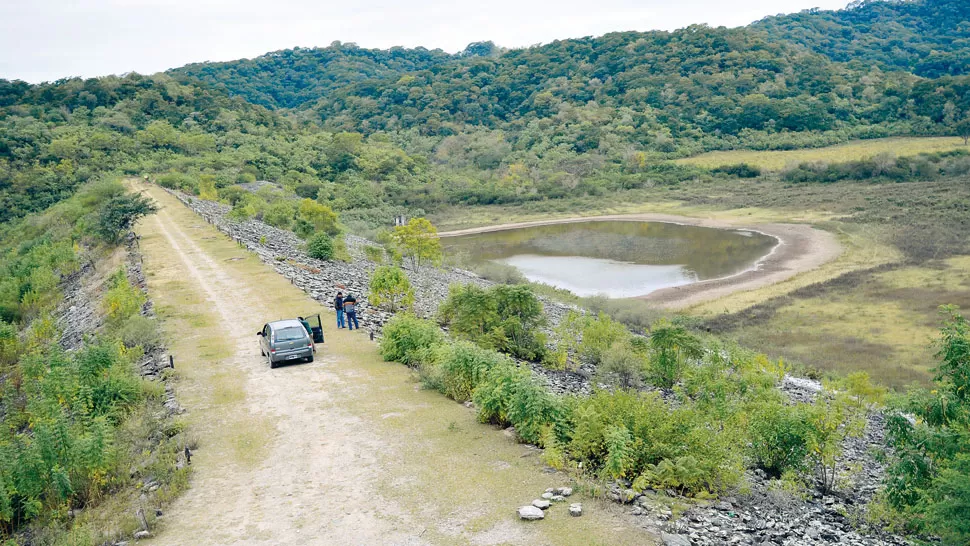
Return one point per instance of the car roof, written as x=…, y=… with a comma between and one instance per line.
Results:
x=277, y=324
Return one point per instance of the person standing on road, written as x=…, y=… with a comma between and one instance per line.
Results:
x=338, y=305
x=350, y=307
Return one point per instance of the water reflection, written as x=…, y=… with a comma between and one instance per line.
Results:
x=618, y=259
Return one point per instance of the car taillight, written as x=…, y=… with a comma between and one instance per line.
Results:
x=272, y=350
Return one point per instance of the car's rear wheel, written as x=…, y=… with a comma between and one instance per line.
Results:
x=309, y=358
x=272, y=364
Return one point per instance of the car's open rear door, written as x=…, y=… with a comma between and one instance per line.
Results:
x=316, y=327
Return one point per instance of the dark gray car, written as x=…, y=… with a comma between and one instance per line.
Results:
x=285, y=341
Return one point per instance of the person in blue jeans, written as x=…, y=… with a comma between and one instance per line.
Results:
x=350, y=307
x=338, y=306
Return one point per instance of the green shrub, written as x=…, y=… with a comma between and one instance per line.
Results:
x=320, y=246
x=139, y=331
x=598, y=334
x=390, y=288
x=532, y=408
x=122, y=300
x=178, y=181
x=494, y=395
x=464, y=366
x=407, y=339
x=279, y=215
x=622, y=367
x=672, y=346
x=501, y=317
x=241, y=212
x=779, y=437
x=739, y=170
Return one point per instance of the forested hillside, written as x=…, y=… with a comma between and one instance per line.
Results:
x=930, y=38
x=292, y=77
x=56, y=136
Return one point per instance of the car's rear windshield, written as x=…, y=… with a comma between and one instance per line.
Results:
x=290, y=333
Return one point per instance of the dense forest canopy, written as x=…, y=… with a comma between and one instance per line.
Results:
x=292, y=77
x=930, y=38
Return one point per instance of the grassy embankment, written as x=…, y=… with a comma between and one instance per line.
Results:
x=880, y=321
x=459, y=477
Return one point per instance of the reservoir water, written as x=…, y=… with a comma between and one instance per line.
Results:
x=619, y=259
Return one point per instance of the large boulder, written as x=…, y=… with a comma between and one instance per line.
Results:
x=530, y=513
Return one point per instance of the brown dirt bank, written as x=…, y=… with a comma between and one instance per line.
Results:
x=800, y=248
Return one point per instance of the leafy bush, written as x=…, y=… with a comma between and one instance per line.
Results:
x=279, y=215
x=464, y=367
x=390, y=288
x=178, y=181
x=320, y=217
x=140, y=331
x=407, y=339
x=510, y=395
x=320, y=246
x=779, y=437
x=122, y=300
x=501, y=317
x=672, y=347
x=589, y=337
x=739, y=170
x=622, y=366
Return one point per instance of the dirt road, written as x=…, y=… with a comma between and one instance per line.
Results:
x=345, y=450
x=800, y=248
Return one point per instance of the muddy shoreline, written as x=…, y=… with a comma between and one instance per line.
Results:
x=800, y=248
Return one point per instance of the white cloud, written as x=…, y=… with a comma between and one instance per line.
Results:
x=50, y=39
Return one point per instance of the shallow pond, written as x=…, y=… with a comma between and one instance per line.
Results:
x=619, y=259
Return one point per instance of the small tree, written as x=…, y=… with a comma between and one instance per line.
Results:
x=320, y=247
x=833, y=419
x=390, y=288
x=418, y=242
x=119, y=215
x=322, y=217
x=963, y=129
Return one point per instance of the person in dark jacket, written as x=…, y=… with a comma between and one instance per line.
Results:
x=350, y=307
x=338, y=306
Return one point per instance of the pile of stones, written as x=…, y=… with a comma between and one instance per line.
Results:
x=537, y=509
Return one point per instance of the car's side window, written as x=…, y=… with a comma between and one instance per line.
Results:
x=266, y=331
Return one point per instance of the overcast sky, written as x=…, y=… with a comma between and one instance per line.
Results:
x=43, y=40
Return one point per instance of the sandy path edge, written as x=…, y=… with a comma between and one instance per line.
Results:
x=800, y=248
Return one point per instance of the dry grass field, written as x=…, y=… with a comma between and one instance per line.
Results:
x=850, y=151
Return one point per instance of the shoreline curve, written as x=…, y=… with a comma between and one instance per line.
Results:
x=800, y=248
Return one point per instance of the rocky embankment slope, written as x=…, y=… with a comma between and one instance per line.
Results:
x=762, y=514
